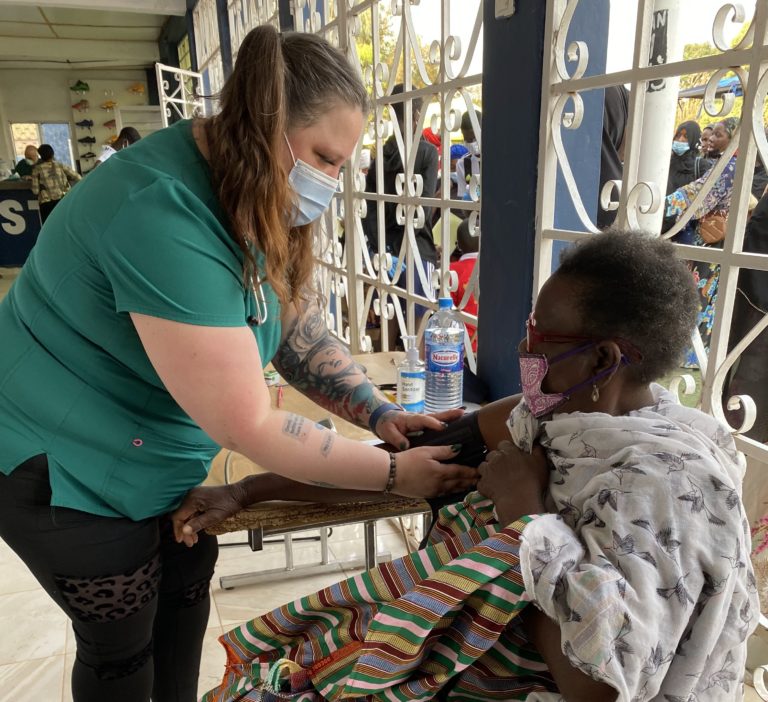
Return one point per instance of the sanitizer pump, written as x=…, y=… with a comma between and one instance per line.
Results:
x=411, y=377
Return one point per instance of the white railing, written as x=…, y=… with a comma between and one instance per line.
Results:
x=641, y=201
x=184, y=99
x=208, y=47
x=244, y=15
x=357, y=275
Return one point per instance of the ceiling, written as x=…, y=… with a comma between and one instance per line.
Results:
x=83, y=33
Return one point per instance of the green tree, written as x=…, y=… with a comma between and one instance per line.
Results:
x=692, y=108
x=387, y=44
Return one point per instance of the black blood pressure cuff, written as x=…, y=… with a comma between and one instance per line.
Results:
x=464, y=431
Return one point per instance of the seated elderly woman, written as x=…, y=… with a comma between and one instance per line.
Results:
x=604, y=555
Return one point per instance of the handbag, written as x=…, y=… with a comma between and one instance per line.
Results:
x=711, y=228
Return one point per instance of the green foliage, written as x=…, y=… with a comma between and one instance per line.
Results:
x=692, y=108
x=387, y=45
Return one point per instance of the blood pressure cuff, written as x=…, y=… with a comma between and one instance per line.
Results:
x=464, y=431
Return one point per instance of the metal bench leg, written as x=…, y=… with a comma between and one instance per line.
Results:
x=370, y=544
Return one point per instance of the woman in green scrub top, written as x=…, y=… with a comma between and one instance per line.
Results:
x=132, y=350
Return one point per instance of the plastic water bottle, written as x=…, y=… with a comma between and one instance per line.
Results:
x=410, y=378
x=444, y=351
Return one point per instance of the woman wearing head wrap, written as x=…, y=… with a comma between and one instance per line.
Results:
x=717, y=202
x=685, y=164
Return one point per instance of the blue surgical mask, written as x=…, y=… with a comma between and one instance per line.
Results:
x=314, y=189
x=680, y=147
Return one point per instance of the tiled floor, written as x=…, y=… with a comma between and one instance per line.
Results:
x=37, y=647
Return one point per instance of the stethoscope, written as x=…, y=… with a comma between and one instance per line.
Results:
x=262, y=311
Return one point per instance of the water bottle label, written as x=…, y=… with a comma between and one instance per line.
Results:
x=412, y=391
x=445, y=359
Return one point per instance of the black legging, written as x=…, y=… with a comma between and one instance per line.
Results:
x=138, y=601
x=46, y=208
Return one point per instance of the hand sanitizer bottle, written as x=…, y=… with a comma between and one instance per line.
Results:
x=411, y=376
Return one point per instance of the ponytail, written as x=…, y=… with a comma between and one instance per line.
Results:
x=278, y=81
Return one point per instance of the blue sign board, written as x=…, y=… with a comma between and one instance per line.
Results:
x=19, y=225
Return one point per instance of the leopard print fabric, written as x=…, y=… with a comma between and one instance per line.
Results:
x=111, y=597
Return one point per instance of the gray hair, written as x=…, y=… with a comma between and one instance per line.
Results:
x=634, y=287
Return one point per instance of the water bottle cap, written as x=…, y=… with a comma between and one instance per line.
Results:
x=445, y=303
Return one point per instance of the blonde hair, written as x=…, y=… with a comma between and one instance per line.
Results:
x=279, y=81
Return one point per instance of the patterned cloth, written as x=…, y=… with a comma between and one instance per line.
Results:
x=646, y=565
x=403, y=630
x=51, y=180
x=645, y=568
x=706, y=275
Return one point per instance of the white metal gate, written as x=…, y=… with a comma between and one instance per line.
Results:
x=360, y=278
x=641, y=200
x=183, y=101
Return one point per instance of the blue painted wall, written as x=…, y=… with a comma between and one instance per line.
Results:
x=512, y=69
x=590, y=24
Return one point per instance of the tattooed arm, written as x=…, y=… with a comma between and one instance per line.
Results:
x=214, y=374
x=321, y=367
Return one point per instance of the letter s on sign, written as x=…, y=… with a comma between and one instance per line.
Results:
x=11, y=219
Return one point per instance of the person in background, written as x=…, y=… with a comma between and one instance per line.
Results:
x=364, y=163
x=126, y=137
x=435, y=140
x=760, y=176
x=713, y=210
x=704, y=145
x=133, y=347
x=469, y=165
x=458, y=152
x=615, y=118
x=51, y=181
x=25, y=165
x=685, y=163
x=720, y=139
x=425, y=165
x=749, y=376
x=469, y=248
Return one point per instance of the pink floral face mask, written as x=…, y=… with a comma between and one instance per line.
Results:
x=534, y=368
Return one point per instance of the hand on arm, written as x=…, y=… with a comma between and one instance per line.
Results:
x=515, y=481
x=208, y=505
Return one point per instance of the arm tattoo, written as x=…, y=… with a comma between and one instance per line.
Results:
x=325, y=448
x=296, y=427
x=321, y=367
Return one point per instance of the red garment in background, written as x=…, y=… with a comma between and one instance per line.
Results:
x=464, y=267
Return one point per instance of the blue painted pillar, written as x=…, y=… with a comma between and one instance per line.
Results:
x=285, y=15
x=225, y=40
x=513, y=51
x=513, y=55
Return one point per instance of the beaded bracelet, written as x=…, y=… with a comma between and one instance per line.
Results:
x=381, y=409
x=392, y=473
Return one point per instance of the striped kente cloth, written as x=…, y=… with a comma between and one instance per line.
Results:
x=440, y=619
